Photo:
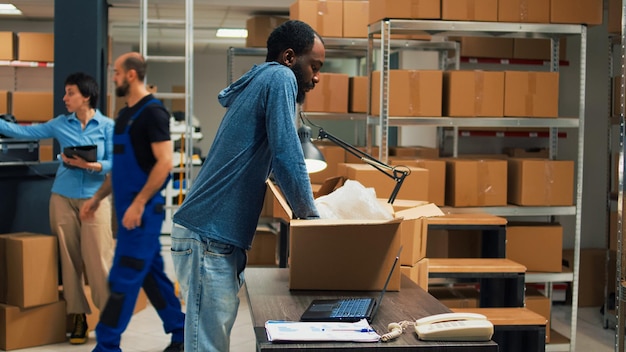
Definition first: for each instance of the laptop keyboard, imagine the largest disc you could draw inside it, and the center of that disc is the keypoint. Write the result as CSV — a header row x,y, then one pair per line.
x,y
351,307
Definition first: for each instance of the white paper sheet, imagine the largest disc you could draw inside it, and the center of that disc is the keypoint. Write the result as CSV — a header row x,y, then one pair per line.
x,y
359,331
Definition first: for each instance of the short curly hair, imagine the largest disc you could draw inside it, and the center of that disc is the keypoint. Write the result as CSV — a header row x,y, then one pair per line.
x,y
292,34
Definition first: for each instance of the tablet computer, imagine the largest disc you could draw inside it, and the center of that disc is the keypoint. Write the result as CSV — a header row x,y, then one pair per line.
x,y
87,152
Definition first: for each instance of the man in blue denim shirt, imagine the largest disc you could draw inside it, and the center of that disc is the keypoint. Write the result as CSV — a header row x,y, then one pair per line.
x,y
216,223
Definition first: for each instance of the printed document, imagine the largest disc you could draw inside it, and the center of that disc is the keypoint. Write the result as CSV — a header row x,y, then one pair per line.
x,y
360,331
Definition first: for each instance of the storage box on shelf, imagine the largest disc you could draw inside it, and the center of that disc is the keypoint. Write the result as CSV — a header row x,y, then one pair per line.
x,y
469,10
415,186
259,29
527,11
473,93
35,46
326,17
7,45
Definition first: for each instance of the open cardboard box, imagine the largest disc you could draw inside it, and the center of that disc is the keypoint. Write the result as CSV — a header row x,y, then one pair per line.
x,y
331,254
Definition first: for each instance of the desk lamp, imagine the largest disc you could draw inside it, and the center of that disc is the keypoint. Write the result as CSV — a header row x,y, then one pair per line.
x,y
395,173
313,158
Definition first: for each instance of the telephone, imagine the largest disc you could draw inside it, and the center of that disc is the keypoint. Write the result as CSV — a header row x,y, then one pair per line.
x,y
454,327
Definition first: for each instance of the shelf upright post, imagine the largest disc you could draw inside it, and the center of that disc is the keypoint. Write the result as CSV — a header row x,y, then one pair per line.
x,y
554,67
385,47
579,183
619,280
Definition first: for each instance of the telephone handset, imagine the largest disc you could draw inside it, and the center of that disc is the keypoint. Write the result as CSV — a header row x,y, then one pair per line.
x,y
454,327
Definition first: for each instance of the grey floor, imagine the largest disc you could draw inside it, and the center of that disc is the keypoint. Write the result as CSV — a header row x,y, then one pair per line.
x,y
145,332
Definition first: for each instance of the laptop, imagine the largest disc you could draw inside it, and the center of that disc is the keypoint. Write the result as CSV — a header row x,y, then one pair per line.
x,y
347,309
87,152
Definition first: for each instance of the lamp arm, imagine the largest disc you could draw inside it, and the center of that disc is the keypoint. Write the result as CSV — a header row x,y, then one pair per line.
x,y
397,175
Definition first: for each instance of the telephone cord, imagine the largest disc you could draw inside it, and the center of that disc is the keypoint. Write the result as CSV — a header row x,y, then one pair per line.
x,y
395,330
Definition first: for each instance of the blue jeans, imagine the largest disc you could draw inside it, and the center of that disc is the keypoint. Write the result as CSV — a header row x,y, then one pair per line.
x,y
210,275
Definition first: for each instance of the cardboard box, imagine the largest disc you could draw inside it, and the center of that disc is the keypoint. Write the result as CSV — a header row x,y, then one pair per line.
x,y
334,156
355,18
35,46
7,46
591,275
537,246
374,152
418,273
414,232
329,254
531,94
473,93
413,152
268,205
469,10
325,16
259,29
614,20
45,153
456,297
329,95
264,245
587,12
408,9
537,49
476,182
32,106
527,11
415,186
29,327
477,47
411,92
540,182
29,269
358,94
5,102
539,304
436,176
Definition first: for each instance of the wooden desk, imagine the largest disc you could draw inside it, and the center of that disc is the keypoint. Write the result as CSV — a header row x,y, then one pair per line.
x,y
269,298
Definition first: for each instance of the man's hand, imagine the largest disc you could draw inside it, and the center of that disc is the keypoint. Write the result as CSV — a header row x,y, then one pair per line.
x,y
132,217
89,208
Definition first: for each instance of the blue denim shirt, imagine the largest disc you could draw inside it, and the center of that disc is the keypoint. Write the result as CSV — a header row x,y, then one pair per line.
x,y
66,129
256,136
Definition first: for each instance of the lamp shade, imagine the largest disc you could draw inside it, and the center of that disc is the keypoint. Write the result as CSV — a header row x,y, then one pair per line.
x,y
313,158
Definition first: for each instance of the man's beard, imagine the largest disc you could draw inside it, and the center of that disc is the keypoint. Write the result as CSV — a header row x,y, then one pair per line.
x,y
122,90
302,86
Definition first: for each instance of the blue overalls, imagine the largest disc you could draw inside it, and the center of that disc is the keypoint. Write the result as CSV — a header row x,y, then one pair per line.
x,y
137,262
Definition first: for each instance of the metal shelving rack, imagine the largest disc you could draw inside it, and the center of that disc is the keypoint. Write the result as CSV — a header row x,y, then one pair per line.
x,y
613,122
620,269
386,27
186,164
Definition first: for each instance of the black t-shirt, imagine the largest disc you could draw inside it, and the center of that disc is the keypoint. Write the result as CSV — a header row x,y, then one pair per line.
x,y
152,125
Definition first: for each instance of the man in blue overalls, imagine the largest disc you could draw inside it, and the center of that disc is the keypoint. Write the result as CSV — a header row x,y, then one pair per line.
x,y
142,161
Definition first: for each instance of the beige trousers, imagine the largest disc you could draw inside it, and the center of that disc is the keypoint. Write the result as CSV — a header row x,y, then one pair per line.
x,y
85,247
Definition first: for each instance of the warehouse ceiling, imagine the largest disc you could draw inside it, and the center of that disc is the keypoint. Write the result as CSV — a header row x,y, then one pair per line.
x,y
209,15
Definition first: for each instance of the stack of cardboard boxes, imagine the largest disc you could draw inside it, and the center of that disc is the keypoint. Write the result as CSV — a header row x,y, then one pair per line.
x,y
31,313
